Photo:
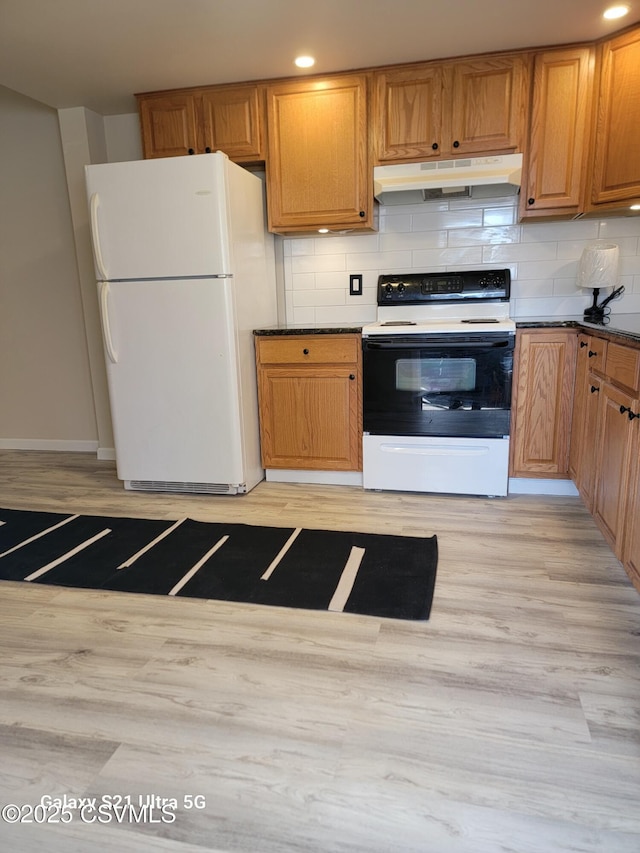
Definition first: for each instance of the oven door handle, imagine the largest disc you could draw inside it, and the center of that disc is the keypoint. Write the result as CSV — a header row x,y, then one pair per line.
x,y
449,343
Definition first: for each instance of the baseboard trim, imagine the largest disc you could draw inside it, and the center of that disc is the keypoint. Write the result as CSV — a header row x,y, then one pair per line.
x,y
534,486
48,444
326,478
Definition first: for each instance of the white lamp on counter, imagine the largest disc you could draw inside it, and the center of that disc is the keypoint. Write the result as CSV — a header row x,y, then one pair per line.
x,y
598,268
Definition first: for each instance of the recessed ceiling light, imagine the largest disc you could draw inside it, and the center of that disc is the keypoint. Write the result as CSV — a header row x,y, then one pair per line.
x,y
615,12
635,207
305,61
323,230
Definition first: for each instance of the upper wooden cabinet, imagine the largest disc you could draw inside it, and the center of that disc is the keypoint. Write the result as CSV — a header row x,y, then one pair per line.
x,y
196,121
616,163
319,170
559,131
439,110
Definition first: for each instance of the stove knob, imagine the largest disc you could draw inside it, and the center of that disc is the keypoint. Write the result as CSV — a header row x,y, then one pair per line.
x,y
388,288
401,288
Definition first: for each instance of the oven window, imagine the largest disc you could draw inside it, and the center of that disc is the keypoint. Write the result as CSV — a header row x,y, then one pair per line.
x,y
449,388
436,375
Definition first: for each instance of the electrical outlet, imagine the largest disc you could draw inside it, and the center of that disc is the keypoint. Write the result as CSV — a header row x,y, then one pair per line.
x,y
355,285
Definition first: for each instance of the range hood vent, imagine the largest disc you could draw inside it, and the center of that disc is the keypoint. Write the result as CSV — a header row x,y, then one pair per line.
x,y
475,177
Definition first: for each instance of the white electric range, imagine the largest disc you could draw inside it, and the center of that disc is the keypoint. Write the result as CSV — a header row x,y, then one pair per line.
x,y
437,373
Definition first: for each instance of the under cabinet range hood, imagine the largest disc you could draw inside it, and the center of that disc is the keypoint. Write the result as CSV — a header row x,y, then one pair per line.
x,y
471,177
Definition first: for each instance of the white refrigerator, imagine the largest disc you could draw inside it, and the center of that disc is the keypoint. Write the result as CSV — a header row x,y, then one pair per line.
x,y
185,272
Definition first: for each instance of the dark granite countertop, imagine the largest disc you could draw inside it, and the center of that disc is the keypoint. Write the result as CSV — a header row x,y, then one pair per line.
x,y
622,327
311,330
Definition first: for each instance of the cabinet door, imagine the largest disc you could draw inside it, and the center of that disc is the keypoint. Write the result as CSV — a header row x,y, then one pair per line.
x,y
169,124
231,122
318,159
616,168
579,408
584,439
631,545
488,104
309,418
559,132
541,416
614,460
408,113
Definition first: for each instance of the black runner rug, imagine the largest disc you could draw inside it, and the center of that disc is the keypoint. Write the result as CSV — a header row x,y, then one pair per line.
x,y
371,574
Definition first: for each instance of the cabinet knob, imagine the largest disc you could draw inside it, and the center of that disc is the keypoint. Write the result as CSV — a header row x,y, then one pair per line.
x,y
583,344
594,388
207,150
531,201
592,353
305,351
630,412
191,151
352,376
362,214
456,144
435,146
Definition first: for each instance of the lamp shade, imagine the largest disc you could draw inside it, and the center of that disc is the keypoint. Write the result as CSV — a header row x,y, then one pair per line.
x,y
598,265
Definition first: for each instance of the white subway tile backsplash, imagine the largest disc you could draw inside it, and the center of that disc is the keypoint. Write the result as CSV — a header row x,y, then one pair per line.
x,y
447,235
414,240
484,236
446,219
499,215
532,289
454,257
620,226
313,299
347,314
303,281
540,232
336,244
318,263
559,268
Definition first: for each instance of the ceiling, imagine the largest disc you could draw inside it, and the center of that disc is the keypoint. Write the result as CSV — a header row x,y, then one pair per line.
x,y
98,53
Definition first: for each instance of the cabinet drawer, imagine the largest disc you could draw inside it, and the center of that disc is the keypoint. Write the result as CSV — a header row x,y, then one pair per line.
x,y
316,349
597,351
622,366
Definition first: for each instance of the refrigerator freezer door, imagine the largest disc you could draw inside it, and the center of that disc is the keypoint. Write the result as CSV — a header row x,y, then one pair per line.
x,y
172,370
160,218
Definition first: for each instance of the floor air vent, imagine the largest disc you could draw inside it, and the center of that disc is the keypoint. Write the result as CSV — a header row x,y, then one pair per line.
x,y
185,488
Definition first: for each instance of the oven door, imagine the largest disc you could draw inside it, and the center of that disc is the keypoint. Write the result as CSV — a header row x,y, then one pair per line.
x,y
438,385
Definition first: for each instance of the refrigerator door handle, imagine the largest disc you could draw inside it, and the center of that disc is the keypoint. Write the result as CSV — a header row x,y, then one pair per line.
x,y
104,316
95,237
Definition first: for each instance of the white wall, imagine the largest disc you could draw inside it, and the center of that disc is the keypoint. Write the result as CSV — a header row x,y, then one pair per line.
x,y
45,385
447,235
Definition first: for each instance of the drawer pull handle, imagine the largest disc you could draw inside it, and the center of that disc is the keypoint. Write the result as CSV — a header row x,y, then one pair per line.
x,y
592,353
305,352
594,388
631,413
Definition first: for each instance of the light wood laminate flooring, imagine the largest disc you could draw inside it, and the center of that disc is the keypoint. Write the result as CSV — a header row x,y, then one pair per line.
x,y
508,722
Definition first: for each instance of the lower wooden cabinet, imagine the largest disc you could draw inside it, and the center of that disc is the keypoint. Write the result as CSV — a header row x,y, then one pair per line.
x,y
605,443
613,463
541,412
586,409
310,398
631,538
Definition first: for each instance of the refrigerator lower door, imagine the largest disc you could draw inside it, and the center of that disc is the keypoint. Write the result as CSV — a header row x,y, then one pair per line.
x,y
172,370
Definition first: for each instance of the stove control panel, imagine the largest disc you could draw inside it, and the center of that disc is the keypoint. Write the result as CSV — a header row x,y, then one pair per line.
x,y
423,288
